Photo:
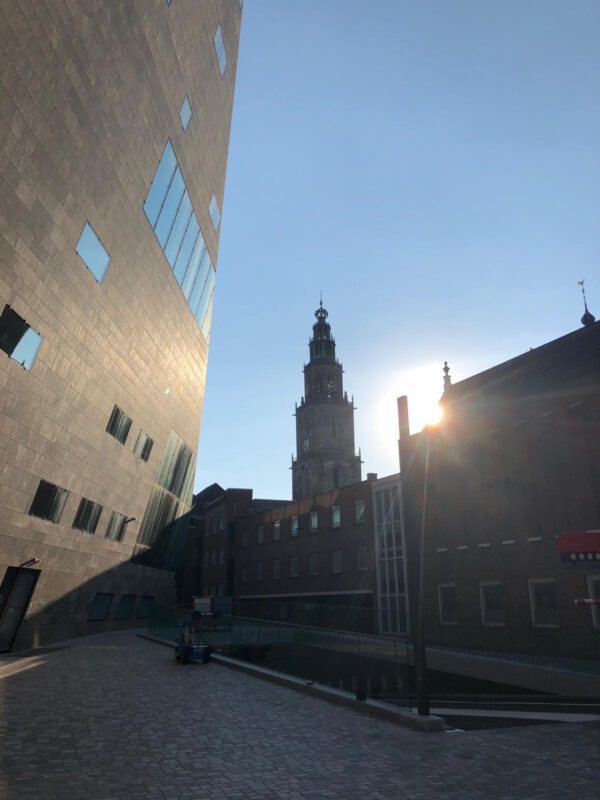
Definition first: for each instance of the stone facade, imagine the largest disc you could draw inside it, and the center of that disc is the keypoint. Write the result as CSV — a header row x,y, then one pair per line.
x,y
92,94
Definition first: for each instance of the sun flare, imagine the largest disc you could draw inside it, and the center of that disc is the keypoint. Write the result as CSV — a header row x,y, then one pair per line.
x,y
423,386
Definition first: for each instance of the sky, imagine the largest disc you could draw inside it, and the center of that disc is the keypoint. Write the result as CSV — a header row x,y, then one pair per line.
x,y
433,168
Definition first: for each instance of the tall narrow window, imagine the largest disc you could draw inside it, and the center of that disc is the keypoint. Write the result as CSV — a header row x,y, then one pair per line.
x,y
49,501
336,561
314,521
594,594
214,211
125,606
185,113
360,513
362,562
260,534
118,425
276,568
336,517
100,606
314,564
87,516
294,566
447,604
220,51
544,608
294,530
143,446
17,338
116,527
92,252
259,570
492,603
277,530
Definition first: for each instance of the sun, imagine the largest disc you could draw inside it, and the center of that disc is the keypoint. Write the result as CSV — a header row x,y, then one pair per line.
x,y
423,387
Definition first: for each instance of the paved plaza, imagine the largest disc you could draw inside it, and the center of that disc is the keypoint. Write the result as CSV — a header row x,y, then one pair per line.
x,y
113,717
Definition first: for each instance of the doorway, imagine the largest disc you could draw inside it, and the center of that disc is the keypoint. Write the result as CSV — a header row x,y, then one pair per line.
x,y
16,591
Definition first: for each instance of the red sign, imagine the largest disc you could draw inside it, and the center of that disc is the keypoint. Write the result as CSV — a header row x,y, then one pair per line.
x,y
579,547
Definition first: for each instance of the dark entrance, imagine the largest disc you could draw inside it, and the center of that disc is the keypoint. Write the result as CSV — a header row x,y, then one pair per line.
x,y
15,593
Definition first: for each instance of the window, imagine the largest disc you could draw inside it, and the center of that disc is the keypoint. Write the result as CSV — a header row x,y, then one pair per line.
x,y
244,573
100,607
336,517
362,564
220,51
542,598
176,471
336,561
213,558
447,604
207,558
170,213
314,564
294,529
143,446
87,516
222,555
260,534
276,568
294,566
91,251
17,338
245,539
276,530
145,606
116,527
49,501
185,113
222,522
314,521
492,603
259,570
360,513
214,211
594,593
125,606
119,425
306,445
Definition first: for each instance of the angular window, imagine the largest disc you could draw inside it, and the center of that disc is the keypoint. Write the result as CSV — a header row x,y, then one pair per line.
x,y
87,516
542,598
362,563
259,570
91,251
176,469
336,517
49,501
214,211
360,513
220,51
100,607
294,566
492,603
276,530
185,113
145,606
314,564
119,425
447,604
244,573
17,338
116,527
314,521
276,568
336,561
260,534
170,213
143,446
125,607
294,529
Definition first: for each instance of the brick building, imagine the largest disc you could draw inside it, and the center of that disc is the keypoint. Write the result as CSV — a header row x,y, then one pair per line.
x,y
513,463
114,130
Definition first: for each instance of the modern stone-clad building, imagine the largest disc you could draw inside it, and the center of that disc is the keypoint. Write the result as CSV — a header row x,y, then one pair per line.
x,y
114,130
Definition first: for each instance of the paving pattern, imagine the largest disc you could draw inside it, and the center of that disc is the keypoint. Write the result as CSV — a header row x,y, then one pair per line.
x,y
115,718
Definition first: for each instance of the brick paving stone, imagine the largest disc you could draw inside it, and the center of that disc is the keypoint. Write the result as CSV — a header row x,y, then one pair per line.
x,y
115,718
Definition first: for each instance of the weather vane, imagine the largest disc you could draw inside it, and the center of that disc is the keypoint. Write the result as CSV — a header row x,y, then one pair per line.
x,y
588,318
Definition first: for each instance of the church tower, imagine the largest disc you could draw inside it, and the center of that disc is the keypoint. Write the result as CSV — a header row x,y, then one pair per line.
x,y
324,421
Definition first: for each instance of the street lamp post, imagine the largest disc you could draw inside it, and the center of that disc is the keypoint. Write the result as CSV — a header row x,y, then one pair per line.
x,y
421,689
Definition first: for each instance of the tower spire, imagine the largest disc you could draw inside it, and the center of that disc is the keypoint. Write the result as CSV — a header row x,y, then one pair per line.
x,y
588,318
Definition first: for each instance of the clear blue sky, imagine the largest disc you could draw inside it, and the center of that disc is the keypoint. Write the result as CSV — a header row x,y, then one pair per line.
x,y
434,168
